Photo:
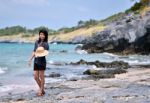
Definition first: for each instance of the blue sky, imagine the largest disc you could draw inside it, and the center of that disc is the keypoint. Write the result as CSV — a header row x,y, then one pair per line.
x,y
57,13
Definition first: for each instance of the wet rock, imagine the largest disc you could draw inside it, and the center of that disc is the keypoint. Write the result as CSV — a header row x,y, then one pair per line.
x,y
114,64
20,99
48,68
81,62
73,79
63,51
79,47
107,73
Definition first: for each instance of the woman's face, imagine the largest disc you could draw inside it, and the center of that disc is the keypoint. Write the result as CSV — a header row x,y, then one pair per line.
x,y
42,36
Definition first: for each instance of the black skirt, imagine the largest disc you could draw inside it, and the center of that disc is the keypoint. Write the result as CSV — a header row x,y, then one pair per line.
x,y
39,67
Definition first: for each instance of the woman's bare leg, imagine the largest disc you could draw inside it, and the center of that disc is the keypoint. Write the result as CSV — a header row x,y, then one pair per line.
x,y
42,77
37,79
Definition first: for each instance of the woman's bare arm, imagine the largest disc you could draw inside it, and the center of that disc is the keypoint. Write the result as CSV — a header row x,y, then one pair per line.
x,y
30,60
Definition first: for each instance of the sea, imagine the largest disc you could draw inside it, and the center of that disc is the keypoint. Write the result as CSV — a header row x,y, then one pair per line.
x,y
16,75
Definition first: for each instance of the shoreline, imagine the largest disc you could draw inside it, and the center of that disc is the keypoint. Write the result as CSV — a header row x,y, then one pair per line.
x,y
31,42
127,87
63,42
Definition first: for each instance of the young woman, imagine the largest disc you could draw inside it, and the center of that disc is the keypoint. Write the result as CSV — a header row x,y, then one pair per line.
x,y
40,51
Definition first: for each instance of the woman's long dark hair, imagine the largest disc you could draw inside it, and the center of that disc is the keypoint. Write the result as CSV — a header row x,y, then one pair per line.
x,y
45,33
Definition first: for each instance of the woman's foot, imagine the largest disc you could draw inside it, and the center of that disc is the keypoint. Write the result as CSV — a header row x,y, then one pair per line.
x,y
40,93
43,92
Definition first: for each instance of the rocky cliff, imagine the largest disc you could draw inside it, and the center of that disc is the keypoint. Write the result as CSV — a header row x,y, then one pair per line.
x,y
128,34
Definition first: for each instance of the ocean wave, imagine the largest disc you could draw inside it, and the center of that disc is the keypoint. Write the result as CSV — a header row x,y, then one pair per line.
x,y
56,62
6,88
71,76
63,78
79,44
135,62
110,54
81,51
50,62
3,70
53,80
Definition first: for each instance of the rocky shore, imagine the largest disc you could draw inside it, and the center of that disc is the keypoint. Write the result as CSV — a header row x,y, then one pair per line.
x,y
103,70
115,82
127,35
129,87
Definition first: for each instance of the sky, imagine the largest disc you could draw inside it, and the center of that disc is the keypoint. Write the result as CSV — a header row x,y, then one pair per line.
x,y
55,14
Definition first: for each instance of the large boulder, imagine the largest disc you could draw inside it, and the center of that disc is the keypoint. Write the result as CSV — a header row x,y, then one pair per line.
x,y
107,73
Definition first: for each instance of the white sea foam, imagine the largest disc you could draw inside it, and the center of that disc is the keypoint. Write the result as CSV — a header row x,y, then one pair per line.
x,y
110,54
71,76
63,78
68,76
53,80
54,43
3,70
79,44
81,51
51,62
135,62
56,62
6,88
94,67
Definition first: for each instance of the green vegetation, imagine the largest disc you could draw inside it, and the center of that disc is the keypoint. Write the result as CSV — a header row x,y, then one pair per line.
x,y
136,7
65,30
112,18
145,2
81,24
14,30
87,24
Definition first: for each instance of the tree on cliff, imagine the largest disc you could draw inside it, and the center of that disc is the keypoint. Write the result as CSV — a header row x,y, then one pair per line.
x,y
144,2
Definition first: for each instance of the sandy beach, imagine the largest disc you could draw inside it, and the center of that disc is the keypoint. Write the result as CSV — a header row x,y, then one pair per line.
x,y
133,86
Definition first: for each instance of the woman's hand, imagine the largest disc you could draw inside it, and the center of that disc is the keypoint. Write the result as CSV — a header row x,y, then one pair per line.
x,y
30,62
